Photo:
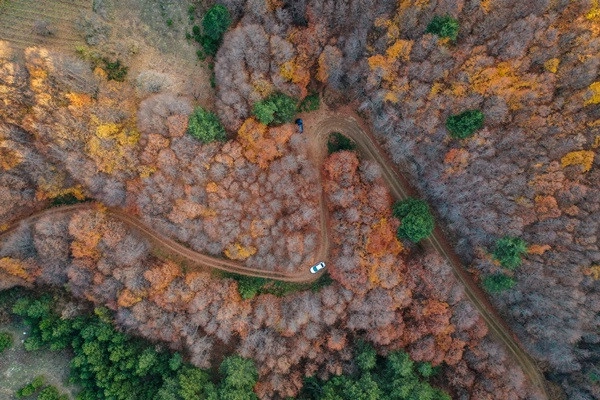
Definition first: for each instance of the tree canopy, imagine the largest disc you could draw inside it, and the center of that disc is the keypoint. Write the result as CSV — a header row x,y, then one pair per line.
x,y
443,26
416,220
509,250
108,364
205,126
276,109
464,124
215,23
498,283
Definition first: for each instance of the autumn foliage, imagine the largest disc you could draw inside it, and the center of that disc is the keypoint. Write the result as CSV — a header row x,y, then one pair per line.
x,y
531,68
530,172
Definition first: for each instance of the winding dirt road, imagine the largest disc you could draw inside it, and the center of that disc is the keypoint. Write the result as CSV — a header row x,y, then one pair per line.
x,y
318,132
167,246
400,188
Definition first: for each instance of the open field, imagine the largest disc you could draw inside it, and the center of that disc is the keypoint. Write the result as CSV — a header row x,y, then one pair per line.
x,y
47,23
148,36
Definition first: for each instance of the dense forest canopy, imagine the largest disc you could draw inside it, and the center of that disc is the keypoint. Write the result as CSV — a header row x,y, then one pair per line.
x,y
490,108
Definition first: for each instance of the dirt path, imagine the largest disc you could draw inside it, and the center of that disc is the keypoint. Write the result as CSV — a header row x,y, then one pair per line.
x,y
167,246
400,188
318,129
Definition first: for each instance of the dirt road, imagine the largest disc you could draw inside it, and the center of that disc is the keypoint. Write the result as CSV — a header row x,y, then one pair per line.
x,y
318,132
400,188
167,246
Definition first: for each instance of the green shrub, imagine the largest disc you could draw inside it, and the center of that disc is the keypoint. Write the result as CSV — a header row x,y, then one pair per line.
x,y
31,387
51,393
6,341
311,102
509,250
464,124
416,221
339,142
443,26
205,126
67,199
197,33
276,109
249,286
192,12
497,283
115,71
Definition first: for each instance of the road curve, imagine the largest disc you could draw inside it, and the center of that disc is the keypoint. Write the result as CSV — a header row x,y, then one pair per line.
x,y
399,188
168,246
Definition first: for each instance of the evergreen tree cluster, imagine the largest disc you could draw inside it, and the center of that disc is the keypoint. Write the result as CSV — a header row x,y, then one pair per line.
x,y
416,220
395,377
109,364
276,109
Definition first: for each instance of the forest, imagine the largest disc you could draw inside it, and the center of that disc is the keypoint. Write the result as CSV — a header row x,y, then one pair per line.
x,y
489,108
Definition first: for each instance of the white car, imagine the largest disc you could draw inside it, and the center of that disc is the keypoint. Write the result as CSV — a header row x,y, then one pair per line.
x,y
316,268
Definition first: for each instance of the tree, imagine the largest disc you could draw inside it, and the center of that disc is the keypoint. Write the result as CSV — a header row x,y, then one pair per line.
x,y
339,142
508,251
276,109
205,126
365,356
443,26
238,372
115,71
6,341
194,384
215,23
464,124
497,283
416,220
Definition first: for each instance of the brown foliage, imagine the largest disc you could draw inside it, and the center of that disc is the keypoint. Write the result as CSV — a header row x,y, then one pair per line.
x,y
260,144
382,239
161,276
